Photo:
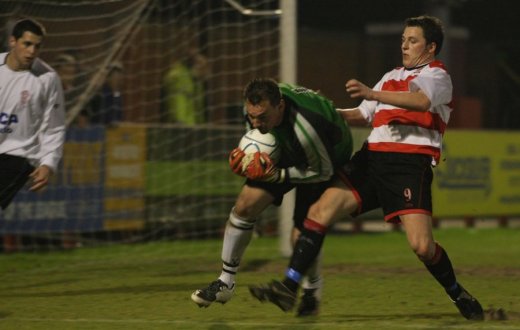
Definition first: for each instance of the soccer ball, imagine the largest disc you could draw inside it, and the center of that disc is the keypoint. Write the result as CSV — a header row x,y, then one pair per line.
x,y
254,141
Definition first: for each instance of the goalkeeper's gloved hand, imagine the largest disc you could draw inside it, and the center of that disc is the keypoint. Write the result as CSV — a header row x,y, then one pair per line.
x,y
261,168
235,161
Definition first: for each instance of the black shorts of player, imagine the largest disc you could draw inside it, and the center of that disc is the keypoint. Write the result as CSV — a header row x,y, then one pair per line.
x,y
306,195
14,173
400,183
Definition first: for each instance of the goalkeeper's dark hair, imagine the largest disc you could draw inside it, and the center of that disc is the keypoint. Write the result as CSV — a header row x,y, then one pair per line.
x,y
260,89
432,29
27,25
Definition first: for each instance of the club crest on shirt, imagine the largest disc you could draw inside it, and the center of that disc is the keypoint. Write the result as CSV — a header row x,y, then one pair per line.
x,y
24,97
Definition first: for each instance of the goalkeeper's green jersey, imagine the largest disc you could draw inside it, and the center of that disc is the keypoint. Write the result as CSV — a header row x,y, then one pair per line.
x,y
314,138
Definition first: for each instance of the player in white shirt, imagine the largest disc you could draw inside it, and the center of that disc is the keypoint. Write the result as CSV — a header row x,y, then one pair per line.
x,y
408,110
32,116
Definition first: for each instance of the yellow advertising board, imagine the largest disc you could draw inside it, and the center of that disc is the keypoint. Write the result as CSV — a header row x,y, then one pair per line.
x,y
125,157
479,175
125,166
81,163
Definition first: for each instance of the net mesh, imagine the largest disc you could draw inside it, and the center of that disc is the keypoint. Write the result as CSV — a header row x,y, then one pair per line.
x,y
153,98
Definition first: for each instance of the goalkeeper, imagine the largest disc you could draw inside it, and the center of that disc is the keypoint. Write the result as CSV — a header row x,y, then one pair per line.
x,y
315,142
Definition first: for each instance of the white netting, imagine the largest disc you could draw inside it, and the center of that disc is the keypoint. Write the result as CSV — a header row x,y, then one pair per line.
x,y
148,158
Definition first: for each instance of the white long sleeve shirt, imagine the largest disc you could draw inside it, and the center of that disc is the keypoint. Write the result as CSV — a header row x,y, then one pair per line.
x,y
32,114
420,132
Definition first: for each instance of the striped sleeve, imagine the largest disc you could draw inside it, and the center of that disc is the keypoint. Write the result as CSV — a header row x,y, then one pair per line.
x,y
319,165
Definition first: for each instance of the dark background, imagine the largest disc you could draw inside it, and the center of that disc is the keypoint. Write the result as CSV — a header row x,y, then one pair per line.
x,y
334,45
481,51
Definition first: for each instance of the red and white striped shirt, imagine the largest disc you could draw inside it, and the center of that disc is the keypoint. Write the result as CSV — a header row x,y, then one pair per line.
x,y
420,132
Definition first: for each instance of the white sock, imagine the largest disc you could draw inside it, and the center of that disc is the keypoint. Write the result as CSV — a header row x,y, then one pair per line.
x,y
237,236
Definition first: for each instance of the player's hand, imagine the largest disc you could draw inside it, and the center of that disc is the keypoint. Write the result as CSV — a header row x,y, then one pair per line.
x,y
235,161
40,177
357,89
261,168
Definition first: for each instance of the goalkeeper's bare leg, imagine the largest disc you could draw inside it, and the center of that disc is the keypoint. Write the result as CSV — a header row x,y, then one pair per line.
x,y
238,233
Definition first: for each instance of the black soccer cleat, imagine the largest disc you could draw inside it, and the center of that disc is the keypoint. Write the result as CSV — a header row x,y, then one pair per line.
x,y
217,291
309,304
275,292
468,306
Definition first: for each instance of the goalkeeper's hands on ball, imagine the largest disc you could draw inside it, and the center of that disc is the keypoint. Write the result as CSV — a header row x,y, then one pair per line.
x,y
260,167
255,166
235,161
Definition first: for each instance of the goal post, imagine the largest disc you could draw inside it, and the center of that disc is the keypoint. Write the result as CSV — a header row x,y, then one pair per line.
x,y
288,74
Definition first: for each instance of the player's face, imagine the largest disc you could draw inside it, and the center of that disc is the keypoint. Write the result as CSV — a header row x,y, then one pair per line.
x,y
24,50
67,73
264,116
414,49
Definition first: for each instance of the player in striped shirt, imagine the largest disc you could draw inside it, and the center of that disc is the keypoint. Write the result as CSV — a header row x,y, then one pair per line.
x,y
408,109
32,116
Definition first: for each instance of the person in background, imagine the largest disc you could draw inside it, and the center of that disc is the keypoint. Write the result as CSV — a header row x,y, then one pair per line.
x,y
67,68
106,107
82,120
409,109
184,89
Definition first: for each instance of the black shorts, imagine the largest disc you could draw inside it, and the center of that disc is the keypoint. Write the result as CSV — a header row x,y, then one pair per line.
x,y
400,183
306,195
14,173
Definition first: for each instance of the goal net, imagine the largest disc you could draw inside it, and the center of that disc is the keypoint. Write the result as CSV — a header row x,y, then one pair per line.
x,y
153,97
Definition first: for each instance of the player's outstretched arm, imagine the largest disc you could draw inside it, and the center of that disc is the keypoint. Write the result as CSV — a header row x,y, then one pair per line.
x,y
353,117
417,100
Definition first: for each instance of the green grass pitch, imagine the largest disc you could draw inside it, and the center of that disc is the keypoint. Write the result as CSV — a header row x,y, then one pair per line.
x,y
372,281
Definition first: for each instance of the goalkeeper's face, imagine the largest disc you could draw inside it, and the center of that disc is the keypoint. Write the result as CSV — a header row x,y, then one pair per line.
x,y
264,116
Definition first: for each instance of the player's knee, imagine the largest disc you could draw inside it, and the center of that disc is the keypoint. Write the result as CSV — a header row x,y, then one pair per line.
x,y
238,221
423,249
243,209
